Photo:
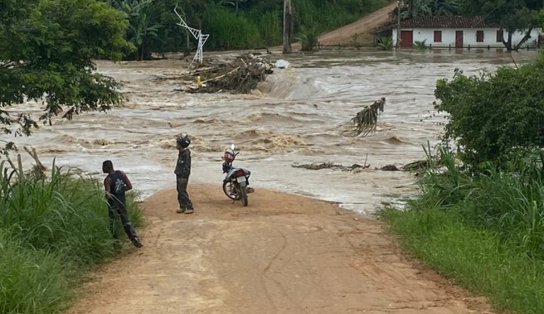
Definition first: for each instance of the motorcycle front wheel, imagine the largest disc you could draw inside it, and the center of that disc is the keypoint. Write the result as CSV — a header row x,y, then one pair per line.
x,y
243,195
231,190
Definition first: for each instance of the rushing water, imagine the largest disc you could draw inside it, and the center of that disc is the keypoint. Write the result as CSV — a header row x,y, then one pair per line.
x,y
299,116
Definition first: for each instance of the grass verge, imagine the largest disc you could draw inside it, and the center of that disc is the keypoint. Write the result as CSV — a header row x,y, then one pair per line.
x,y
51,232
473,258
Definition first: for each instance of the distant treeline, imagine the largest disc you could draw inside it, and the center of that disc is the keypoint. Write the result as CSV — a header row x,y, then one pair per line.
x,y
232,24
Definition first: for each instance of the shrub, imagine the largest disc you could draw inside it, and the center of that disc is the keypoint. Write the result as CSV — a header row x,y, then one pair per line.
x,y
421,45
308,38
494,117
385,43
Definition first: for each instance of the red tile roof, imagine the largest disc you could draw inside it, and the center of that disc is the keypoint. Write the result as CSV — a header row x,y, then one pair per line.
x,y
446,22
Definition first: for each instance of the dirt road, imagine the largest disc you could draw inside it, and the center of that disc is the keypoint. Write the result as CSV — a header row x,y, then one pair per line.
x,y
282,254
362,30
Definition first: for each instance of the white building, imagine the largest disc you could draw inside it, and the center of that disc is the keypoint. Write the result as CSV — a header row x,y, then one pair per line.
x,y
458,32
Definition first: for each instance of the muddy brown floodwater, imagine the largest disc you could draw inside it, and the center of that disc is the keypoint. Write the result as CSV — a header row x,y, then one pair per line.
x,y
299,117
285,253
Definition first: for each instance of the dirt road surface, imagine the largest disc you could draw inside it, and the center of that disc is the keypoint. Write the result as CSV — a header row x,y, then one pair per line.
x,y
281,254
362,30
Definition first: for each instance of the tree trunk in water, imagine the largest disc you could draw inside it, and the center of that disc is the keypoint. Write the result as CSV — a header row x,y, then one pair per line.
x,y
508,42
524,39
509,47
288,22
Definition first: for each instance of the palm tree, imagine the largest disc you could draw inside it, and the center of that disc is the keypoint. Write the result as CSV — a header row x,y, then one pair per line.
x,y
142,31
141,27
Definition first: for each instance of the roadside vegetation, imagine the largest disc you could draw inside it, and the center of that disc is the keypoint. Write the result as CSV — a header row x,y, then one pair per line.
x,y
51,232
237,24
480,218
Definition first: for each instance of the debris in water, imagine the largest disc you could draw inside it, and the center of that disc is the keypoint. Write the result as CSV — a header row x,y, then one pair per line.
x,y
240,75
366,120
328,165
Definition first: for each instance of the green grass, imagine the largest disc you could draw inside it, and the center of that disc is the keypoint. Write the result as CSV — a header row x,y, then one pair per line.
x,y
475,259
51,232
31,281
485,231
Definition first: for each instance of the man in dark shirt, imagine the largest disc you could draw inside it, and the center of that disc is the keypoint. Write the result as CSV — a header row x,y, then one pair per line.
x,y
182,171
115,184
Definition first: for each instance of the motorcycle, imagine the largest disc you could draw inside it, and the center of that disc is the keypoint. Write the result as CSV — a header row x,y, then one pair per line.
x,y
236,182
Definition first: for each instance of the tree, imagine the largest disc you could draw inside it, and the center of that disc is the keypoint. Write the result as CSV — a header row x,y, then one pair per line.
x,y
511,15
46,52
493,118
234,3
142,27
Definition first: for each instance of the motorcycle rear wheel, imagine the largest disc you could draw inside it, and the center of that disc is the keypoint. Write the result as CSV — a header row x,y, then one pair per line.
x,y
231,190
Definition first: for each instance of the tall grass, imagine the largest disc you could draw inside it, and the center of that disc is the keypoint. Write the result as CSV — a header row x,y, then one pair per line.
x,y
31,281
258,24
472,257
229,30
271,28
485,230
51,231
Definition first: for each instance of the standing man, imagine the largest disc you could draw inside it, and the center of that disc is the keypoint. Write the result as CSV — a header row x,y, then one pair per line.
x,y
115,184
183,170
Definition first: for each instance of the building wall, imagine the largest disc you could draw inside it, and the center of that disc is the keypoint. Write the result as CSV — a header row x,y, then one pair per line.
x,y
469,37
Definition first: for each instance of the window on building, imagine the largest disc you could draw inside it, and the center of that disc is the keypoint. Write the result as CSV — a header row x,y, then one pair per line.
x,y
437,36
479,36
499,36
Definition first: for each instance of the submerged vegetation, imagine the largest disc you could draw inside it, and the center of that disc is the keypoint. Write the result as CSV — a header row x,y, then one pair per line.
x,y
480,219
385,43
51,232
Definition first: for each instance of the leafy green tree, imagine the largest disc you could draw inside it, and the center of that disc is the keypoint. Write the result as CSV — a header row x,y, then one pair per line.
x,y
511,15
234,3
142,26
494,117
46,52
415,8
255,22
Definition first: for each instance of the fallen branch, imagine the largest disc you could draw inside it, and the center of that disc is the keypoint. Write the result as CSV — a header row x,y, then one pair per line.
x,y
366,120
37,172
328,165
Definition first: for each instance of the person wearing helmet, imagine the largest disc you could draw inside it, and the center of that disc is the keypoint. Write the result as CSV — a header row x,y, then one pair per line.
x,y
182,171
228,158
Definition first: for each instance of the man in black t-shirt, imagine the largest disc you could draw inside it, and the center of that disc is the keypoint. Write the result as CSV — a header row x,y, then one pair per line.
x,y
115,184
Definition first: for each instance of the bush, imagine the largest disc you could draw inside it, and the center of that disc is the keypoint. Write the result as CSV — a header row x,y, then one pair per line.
x,y
481,221
308,38
421,45
385,43
494,117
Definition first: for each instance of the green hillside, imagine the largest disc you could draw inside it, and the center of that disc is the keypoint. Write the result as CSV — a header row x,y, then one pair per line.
x,y
233,24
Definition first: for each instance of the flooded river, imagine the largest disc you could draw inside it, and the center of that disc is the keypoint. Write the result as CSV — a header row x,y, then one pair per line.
x,y
298,117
